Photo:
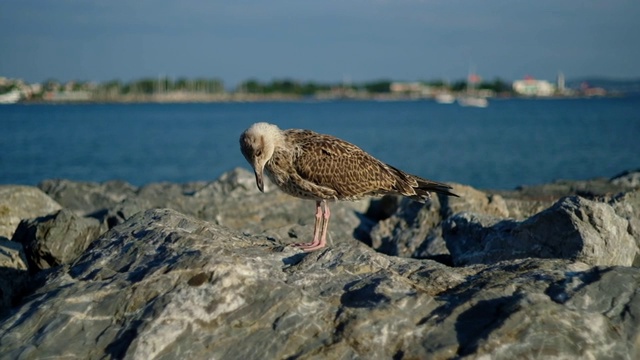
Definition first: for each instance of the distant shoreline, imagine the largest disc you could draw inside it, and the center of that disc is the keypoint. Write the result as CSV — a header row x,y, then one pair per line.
x,y
253,98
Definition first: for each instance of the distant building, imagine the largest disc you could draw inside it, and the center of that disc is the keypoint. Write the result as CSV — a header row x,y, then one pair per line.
x,y
588,90
532,87
412,88
74,96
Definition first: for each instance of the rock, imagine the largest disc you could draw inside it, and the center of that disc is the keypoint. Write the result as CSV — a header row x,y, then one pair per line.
x,y
179,197
574,228
234,201
56,239
22,202
384,207
413,230
409,231
537,309
87,197
591,189
627,179
163,285
560,188
527,201
390,225
13,274
14,284
627,206
121,212
473,200
237,183
12,255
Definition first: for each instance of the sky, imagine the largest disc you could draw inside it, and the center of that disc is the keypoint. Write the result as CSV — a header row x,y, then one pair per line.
x,y
322,40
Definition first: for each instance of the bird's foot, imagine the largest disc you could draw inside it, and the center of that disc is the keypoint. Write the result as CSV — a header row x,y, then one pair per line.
x,y
308,247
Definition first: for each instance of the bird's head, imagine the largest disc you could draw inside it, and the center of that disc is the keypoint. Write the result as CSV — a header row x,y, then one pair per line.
x,y
257,144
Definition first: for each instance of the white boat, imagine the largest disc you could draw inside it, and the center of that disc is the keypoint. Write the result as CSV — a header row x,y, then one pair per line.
x,y
471,98
473,101
445,98
11,97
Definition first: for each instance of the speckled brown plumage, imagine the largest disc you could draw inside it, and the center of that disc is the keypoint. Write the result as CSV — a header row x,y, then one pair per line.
x,y
321,167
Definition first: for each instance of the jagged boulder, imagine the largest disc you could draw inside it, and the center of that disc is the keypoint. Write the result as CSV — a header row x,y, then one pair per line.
x,y
22,202
87,197
56,239
574,228
413,229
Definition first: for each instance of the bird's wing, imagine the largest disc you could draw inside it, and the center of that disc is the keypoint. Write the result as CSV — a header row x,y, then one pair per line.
x,y
330,162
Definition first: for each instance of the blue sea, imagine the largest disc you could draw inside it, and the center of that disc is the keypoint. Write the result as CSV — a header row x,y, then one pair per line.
x,y
512,142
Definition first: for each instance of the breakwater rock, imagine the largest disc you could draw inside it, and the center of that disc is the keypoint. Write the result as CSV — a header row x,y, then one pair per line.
x,y
201,271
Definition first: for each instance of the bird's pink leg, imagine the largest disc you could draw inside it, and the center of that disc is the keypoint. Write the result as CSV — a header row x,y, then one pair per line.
x,y
316,230
319,241
325,225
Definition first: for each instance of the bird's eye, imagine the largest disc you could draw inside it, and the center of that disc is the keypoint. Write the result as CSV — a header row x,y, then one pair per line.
x,y
259,153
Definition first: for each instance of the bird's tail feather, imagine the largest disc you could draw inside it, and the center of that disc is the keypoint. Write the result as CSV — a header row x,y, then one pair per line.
x,y
418,188
433,186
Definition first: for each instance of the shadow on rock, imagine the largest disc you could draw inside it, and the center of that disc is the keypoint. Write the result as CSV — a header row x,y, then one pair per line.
x,y
565,289
359,294
477,323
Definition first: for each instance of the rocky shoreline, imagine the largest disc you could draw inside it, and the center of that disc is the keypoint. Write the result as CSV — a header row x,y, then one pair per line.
x,y
202,271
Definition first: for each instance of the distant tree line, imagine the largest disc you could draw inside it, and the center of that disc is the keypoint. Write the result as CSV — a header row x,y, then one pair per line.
x,y
254,86
288,86
285,86
161,85
497,85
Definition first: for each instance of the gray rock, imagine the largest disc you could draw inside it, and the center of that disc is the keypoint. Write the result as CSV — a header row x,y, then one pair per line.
x,y
409,232
384,207
527,201
591,188
179,197
627,179
121,212
13,274
22,202
212,279
537,309
574,228
413,229
87,197
164,285
473,200
233,201
12,255
14,284
56,239
627,206
390,225
521,208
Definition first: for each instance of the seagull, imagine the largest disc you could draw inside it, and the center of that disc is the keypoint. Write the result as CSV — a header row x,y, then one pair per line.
x,y
309,165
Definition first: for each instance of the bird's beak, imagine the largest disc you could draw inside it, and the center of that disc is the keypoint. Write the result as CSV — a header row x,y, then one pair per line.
x,y
259,180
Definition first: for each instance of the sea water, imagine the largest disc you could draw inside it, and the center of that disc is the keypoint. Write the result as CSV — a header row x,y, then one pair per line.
x,y
512,142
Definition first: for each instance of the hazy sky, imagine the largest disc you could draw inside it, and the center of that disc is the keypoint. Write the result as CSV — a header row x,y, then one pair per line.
x,y
322,40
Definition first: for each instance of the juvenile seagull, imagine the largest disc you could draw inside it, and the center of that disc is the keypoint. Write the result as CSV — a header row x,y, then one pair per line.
x,y
320,167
